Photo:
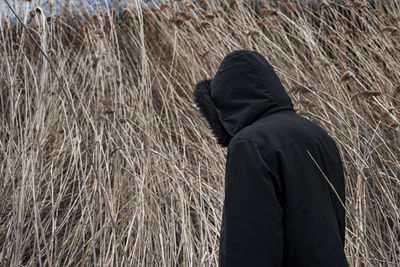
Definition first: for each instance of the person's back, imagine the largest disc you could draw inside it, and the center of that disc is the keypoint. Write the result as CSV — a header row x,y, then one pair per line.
x,y
279,208
301,154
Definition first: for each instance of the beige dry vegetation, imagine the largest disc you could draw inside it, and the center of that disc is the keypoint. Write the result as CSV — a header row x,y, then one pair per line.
x,y
142,184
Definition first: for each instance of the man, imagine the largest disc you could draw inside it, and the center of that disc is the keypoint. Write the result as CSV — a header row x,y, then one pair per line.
x,y
280,208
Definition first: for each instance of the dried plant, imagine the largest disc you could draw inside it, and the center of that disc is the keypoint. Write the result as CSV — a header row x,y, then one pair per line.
x,y
148,188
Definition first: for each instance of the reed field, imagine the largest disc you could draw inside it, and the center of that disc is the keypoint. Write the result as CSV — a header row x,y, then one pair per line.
x,y
105,160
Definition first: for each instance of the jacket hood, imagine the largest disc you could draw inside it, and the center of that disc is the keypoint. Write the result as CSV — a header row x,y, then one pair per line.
x,y
244,88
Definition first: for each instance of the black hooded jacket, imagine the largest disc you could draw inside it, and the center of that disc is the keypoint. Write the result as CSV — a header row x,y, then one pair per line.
x,y
279,207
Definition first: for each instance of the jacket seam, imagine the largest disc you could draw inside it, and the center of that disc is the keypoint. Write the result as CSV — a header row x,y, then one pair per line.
x,y
272,98
257,147
284,146
264,158
248,141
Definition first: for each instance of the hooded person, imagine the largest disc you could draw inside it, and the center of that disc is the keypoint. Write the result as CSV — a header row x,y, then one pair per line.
x,y
282,170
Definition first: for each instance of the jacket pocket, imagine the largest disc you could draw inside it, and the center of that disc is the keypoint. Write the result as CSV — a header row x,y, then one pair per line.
x,y
326,252
310,245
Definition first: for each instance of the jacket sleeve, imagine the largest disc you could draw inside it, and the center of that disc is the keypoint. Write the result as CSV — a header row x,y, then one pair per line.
x,y
251,232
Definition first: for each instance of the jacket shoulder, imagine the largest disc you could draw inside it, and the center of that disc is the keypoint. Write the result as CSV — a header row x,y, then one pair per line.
x,y
279,130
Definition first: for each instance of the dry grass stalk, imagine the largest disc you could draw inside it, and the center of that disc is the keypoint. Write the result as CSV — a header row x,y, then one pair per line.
x,y
130,80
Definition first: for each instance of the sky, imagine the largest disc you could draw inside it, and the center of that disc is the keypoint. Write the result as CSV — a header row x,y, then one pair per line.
x,y
22,7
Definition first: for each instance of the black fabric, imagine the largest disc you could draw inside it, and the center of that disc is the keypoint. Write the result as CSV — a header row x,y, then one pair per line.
x,y
279,207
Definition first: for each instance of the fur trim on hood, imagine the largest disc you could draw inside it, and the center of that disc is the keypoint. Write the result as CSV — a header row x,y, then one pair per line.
x,y
206,105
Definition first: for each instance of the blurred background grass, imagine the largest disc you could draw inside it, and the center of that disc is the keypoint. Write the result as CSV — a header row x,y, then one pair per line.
x,y
142,183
